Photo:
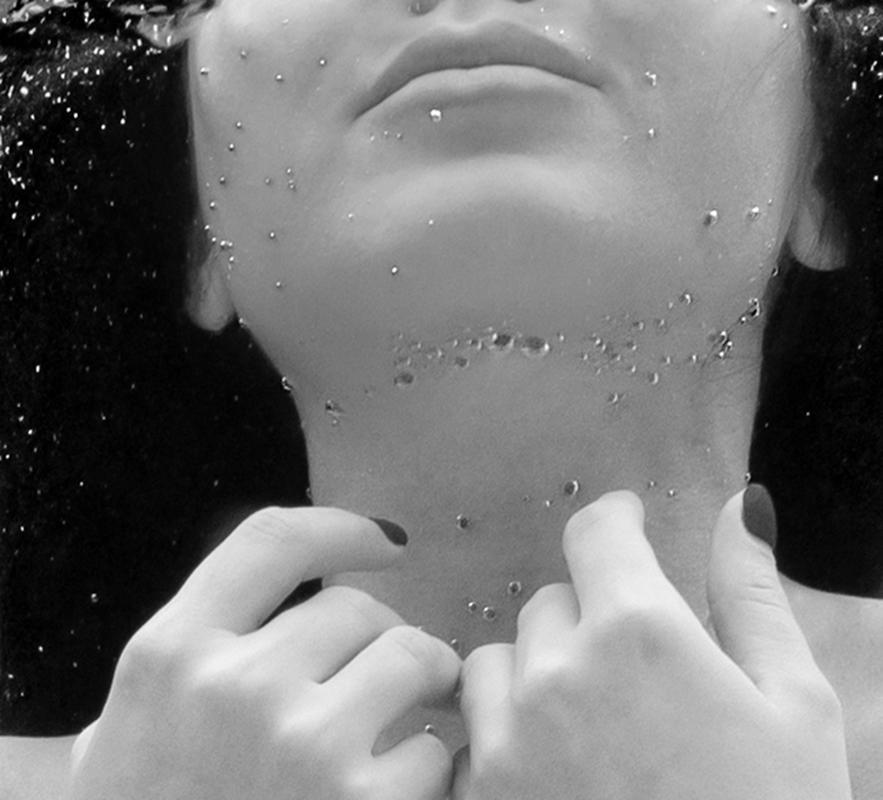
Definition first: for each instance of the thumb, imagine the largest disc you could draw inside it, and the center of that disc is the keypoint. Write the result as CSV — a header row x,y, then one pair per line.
x,y
749,609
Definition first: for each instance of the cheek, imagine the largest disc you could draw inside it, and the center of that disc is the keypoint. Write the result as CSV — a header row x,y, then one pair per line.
x,y
728,109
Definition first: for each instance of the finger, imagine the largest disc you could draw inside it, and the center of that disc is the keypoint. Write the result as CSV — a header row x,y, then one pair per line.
x,y
245,578
400,670
484,697
462,766
608,555
546,623
749,608
317,638
418,768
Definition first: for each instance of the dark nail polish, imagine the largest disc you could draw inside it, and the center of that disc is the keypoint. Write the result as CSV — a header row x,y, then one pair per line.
x,y
393,532
759,514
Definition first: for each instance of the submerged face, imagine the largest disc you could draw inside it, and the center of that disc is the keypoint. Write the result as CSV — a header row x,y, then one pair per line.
x,y
373,169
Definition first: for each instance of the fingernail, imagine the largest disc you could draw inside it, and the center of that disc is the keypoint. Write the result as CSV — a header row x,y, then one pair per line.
x,y
759,513
393,532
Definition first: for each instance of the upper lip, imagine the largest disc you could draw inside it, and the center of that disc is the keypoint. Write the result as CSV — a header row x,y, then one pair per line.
x,y
494,43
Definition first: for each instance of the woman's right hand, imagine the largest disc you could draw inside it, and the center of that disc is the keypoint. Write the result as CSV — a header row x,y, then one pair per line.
x,y
206,704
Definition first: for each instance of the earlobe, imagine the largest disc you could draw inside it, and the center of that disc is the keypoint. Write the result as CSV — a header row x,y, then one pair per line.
x,y
209,303
164,30
815,238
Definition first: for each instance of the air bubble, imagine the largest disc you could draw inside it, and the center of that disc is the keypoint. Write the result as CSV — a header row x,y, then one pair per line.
x,y
753,214
243,54
435,114
471,606
393,270
334,411
429,728
613,398
322,62
461,361
403,378
651,78
534,346
571,488
653,378
501,341
462,522
271,235
286,385
514,588
489,613
671,494
686,298
279,77
279,285
712,216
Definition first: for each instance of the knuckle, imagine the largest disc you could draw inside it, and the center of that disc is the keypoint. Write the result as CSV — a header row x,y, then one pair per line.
x,y
546,684
814,694
269,525
606,508
307,734
155,655
359,606
416,650
638,627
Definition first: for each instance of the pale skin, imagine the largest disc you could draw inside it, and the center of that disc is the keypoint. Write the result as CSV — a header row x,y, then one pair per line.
x,y
552,214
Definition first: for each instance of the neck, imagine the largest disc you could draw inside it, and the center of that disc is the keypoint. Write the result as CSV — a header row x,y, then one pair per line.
x,y
483,462
484,455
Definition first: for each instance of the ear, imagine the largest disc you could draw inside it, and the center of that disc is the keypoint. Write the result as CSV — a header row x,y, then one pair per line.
x,y
164,30
815,237
209,302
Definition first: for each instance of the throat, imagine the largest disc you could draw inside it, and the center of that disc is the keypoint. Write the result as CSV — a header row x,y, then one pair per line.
x,y
484,465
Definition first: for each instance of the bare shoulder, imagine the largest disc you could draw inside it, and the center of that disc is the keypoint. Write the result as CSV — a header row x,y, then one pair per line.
x,y
846,637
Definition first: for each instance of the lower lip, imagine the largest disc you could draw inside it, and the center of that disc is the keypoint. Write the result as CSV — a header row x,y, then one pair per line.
x,y
449,88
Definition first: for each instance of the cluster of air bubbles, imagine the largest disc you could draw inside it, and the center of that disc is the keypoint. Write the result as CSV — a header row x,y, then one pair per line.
x,y
711,217
334,411
752,312
722,344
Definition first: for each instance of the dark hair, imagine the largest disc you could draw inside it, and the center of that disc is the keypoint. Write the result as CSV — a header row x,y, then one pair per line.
x,y
128,438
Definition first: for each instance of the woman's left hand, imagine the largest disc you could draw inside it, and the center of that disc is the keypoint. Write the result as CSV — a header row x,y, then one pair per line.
x,y
614,690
